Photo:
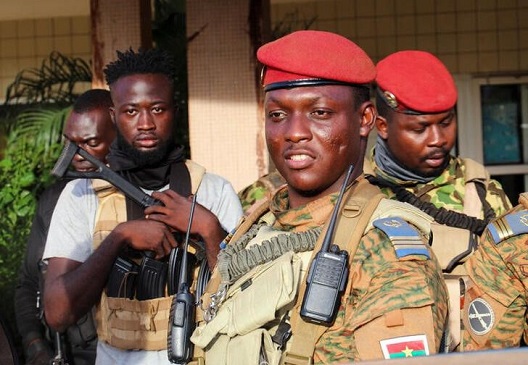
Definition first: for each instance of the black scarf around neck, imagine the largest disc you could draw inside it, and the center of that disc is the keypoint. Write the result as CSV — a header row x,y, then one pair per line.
x,y
152,177
390,166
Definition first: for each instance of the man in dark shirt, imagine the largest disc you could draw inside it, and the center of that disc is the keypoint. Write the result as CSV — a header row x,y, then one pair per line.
x,y
90,126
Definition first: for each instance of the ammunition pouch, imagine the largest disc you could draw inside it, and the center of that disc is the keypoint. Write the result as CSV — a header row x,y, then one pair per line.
x,y
235,333
255,347
134,311
132,324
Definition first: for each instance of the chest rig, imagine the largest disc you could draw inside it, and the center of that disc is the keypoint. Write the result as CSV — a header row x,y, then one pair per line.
x,y
134,310
235,336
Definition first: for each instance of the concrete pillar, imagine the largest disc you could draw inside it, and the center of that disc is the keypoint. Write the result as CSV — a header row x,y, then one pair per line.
x,y
225,115
117,25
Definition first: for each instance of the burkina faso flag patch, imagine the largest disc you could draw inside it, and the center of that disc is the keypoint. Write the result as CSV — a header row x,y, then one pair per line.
x,y
406,346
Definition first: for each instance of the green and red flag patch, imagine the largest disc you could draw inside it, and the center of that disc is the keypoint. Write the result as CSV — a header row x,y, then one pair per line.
x,y
407,346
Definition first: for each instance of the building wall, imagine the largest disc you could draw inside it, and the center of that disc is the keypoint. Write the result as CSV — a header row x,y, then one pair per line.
x,y
25,43
473,37
469,36
225,125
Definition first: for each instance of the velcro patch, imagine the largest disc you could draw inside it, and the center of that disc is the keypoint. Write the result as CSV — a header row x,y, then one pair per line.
x,y
404,237
508,226
480,316
406,346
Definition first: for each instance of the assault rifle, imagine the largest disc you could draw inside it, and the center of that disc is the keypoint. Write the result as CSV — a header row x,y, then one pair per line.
x,y
150,277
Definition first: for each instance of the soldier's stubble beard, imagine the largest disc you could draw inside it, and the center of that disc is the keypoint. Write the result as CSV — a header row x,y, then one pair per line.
x,y
145,158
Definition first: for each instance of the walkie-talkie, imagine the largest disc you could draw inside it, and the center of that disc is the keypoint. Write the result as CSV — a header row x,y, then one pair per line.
x,y
181,319
327,277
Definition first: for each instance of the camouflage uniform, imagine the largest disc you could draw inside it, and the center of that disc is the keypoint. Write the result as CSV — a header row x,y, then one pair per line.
x,y
447,190
262,189
495,311
453,245
383,286
382,283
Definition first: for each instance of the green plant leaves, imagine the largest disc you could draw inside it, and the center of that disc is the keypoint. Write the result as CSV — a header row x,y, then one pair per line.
x,y
37,104
55,81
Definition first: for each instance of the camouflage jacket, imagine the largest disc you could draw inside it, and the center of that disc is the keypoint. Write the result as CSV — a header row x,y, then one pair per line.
x,y
260,190
495,312
448,189
388,292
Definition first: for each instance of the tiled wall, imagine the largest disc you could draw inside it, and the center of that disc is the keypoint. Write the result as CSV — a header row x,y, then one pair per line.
x,y
26,43
470,36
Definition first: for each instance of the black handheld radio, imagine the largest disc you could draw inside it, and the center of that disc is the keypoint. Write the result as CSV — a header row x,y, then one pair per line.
x,y
181,319
327,277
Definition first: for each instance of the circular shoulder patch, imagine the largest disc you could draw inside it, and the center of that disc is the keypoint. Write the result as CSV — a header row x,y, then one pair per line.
x,y
481,316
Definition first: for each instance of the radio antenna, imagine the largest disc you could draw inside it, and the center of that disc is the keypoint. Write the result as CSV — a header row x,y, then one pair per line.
x,y
331,225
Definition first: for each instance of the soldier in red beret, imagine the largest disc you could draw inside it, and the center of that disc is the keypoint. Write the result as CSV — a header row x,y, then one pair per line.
x,y
327,270
412,161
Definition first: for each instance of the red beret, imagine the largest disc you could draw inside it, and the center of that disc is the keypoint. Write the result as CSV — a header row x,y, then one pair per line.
x,y
416,82
310,57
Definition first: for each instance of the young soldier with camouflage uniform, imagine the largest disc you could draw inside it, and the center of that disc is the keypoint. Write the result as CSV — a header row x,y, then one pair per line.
x,y
496,299
411,161
258,307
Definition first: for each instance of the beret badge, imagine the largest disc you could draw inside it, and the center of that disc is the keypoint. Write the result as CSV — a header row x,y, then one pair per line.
x,y
391,99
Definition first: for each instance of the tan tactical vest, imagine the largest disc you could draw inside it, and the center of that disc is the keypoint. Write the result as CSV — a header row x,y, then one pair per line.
x,y
240,335
124,323
453,246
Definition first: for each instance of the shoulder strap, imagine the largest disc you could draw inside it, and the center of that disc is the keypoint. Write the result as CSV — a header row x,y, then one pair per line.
x,y
196,173
180,178
523,199
472,199
477,181
476,171
361,202
509,225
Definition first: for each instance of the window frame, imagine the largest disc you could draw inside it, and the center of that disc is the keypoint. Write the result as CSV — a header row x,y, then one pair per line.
x,y
469,117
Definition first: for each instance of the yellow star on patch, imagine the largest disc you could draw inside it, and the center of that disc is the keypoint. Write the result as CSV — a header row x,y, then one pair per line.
x,y
408,352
